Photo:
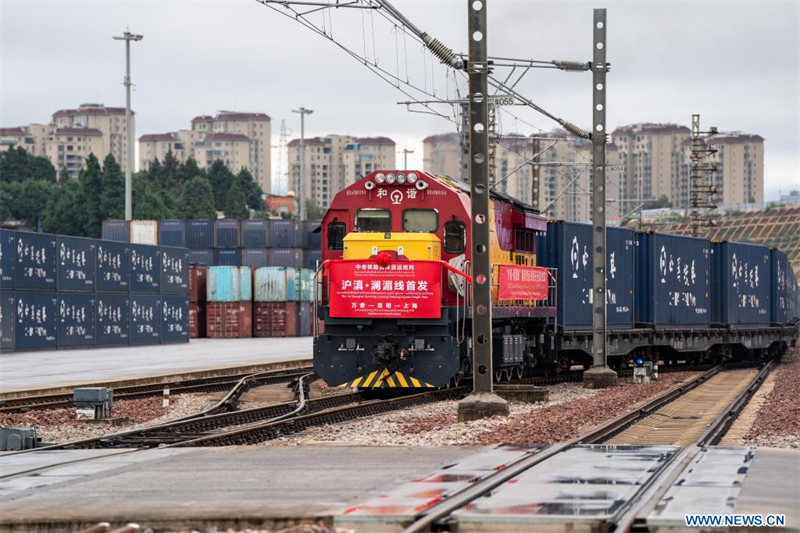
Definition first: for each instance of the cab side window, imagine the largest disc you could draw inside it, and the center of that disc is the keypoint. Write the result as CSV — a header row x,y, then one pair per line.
x,y
455,237
336,233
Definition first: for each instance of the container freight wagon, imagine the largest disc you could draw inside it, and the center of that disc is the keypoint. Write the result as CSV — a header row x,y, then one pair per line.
x,y
740,284
672,282
567,247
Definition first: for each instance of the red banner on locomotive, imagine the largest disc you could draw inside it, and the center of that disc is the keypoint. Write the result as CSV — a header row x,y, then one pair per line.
x,y
517,282
402,289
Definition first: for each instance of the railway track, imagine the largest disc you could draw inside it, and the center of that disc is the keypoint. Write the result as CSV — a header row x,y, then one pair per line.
x,y
721,404
205,385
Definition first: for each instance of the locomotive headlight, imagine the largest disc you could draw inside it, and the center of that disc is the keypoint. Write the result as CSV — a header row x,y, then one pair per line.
x,y
412,177
380,177
401,179
390,178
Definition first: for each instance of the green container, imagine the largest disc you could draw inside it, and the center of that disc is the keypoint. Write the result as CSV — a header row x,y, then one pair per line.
x,y
306,285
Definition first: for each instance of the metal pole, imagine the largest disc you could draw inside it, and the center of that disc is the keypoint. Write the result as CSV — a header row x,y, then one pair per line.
x,y
599,376
405,153
302,204
128,37
482,402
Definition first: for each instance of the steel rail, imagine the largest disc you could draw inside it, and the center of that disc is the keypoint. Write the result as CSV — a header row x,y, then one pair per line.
x,y
653,491
440,511
211,384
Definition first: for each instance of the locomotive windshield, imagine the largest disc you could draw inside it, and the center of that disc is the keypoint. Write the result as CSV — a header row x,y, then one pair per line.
x,y
420,220
374,220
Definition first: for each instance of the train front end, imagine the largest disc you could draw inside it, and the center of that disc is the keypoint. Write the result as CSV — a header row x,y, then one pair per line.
x,y
386,285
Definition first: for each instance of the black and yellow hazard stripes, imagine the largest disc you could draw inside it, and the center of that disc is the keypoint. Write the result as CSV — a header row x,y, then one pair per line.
x,y
383,378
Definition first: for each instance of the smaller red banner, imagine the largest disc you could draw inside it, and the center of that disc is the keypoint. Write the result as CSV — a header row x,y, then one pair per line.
x,y
401,289
517,282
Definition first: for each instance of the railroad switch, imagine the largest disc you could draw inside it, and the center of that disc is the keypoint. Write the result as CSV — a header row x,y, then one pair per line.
x,y
93,403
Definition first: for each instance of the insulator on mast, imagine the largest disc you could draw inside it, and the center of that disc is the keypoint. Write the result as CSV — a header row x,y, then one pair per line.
x,y
445,55
572,66
573,129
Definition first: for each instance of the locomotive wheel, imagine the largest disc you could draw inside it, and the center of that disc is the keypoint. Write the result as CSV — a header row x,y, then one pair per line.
x,y
519,372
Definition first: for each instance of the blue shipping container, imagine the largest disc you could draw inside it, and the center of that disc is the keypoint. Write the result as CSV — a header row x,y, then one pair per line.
x,y
201,257
76,263
7,248
116,230
145,319
286,257
229,284
227,257
113,266
7,322
76,319
35,317
312,258
226,233
113,319
174,270
281,233
740,283
672,282
255,257
781,287
174,319
145,268
172,233
567,246
35,261
254,233
314,237
200,233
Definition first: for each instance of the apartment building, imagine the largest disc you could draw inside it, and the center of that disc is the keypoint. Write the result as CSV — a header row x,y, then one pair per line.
x,y
657,158
652,155
564,179
72,135
740,169
241,140
335,161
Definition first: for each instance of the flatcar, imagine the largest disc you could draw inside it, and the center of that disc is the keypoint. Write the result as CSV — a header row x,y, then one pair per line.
x,y
393,290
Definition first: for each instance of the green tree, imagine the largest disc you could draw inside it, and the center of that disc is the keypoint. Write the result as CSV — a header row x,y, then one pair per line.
x,y
235,204
30,202
148,200
91,180
198,199
63,214
6,199
221,179
112,190
313,211
17,165
251,189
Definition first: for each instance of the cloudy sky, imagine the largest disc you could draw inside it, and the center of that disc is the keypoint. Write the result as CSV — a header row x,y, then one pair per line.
x,y
736,63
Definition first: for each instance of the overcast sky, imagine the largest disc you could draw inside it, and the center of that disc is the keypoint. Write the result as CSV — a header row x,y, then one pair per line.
x,y
738,64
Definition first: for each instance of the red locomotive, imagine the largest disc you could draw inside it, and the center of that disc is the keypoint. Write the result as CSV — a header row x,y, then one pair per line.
x,y
393,307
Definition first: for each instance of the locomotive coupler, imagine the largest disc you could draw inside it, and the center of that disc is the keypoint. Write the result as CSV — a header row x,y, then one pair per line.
x,y
383,352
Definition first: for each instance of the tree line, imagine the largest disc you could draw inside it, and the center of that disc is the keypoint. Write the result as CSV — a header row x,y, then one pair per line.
x,y
30,192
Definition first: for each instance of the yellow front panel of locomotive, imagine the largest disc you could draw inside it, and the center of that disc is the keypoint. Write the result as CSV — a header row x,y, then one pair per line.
x,y
415,246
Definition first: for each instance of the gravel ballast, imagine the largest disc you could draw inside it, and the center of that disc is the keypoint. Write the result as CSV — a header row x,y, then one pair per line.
x,y
60,425
570,411
777,424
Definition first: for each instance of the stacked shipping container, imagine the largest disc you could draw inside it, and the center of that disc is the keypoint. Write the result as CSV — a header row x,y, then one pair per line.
x,y
227,242
229,310
60,291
